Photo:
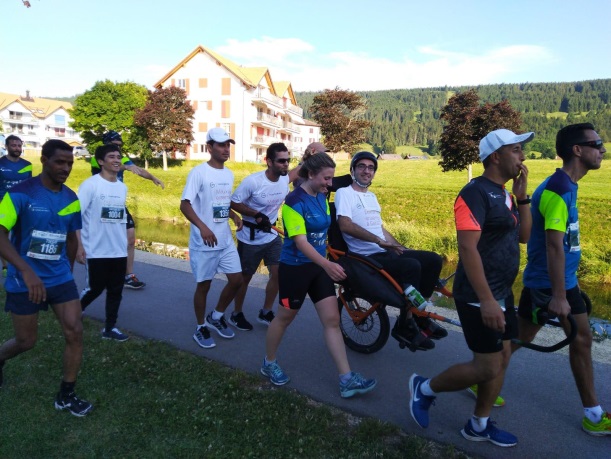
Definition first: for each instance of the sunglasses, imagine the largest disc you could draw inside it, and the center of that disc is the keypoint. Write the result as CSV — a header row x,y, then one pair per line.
x,y
598,144
282,160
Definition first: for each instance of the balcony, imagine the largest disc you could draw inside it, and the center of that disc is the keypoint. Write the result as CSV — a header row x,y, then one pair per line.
x,y
287,126
268,120
294,109
263,141
16,119
269,100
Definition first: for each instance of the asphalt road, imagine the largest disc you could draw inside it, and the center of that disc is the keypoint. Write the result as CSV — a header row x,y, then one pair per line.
x,y
543,408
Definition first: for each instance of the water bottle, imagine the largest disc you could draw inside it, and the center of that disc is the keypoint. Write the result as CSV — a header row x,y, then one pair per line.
x,y
415,297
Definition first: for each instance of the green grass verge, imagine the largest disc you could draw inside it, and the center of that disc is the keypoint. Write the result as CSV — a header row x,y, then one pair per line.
x,y
152,400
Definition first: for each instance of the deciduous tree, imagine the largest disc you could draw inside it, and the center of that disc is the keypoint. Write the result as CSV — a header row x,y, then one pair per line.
x,y
167,119
467,122
108,106
340,115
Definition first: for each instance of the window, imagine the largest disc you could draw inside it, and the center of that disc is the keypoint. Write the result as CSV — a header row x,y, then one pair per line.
x,y
182,83
202,148
60,120
225,109
203,82
226,86
60,132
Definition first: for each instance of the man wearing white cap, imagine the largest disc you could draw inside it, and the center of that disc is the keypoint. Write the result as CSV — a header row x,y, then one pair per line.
x,y
489,224
205,202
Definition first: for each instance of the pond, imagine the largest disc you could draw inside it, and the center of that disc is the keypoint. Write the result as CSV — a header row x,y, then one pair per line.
x,y
178,235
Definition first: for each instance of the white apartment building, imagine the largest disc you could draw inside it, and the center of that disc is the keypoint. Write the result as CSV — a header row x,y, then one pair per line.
x,y
35,120
255,110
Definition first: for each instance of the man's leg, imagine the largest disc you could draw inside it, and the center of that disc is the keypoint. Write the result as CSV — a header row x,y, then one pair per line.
x,y
26,333
97,272
69,316
234,282
131,281
114,294
580,356
241,293
199,300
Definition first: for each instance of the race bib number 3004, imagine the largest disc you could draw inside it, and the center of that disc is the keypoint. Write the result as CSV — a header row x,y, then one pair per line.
x,y
46,246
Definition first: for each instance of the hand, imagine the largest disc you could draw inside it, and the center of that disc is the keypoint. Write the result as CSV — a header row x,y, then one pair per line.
x,y
263,222
391,246
520,182
559,306
81,256
36,289
335,271
237,221
208,237
492,315
158,182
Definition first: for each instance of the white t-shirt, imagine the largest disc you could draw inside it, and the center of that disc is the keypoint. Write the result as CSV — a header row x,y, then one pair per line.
x,y
104,233
364,210
261,194
209,192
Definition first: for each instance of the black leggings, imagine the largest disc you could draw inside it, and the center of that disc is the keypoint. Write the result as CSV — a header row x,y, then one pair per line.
x,y
415,267
109,274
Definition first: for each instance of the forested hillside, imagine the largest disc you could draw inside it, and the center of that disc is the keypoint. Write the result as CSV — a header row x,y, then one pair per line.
x,y
411,116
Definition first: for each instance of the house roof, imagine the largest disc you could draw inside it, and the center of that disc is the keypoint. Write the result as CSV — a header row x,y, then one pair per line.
x,y
250,76
39,107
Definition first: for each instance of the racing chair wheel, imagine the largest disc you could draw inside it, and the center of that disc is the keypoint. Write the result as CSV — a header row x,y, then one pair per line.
x,y
368,335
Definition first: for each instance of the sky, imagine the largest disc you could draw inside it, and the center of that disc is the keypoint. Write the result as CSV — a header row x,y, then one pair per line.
x,y
62,47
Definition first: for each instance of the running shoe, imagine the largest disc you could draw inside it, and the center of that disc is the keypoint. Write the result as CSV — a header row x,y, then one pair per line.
x,y
410,335
599,429
431,328
419,403
203,339
265,317
500,401
239,321
356,385
274,373
131,281
491,433
114,334
219,326
73,404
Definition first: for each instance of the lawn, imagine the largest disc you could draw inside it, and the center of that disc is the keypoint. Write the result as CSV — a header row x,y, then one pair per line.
x,y
152,400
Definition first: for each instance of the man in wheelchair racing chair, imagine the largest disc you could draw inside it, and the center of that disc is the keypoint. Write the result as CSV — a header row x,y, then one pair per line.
x,y
360,223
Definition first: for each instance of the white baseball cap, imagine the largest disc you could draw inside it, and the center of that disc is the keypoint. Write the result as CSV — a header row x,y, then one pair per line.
x,y
218,135
499,138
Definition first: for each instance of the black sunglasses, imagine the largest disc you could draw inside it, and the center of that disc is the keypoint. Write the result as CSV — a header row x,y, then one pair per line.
x,y
598,144
282,160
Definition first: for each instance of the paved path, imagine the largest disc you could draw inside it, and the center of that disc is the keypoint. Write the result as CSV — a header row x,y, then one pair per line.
x,y
543,407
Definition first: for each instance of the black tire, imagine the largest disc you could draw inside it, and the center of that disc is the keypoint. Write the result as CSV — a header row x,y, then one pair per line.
x,y
371,334
587,301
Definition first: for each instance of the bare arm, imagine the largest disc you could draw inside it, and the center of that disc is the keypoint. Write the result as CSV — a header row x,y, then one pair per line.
x,y
207,235
554,243
72,245
346,225
36,288
519,191
81,256
144,174
334,270
492,314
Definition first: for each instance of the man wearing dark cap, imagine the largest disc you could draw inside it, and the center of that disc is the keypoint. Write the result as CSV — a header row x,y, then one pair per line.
x,y
490,223
114,138
359,218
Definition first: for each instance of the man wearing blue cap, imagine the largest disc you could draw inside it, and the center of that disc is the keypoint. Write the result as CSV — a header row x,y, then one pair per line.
x,y
489,224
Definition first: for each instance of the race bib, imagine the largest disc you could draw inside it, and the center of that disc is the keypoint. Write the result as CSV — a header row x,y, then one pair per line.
x,y
574,243
220,213
113,214
46,246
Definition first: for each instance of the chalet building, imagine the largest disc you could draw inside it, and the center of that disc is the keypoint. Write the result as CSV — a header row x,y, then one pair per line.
x,y
36,120
245,101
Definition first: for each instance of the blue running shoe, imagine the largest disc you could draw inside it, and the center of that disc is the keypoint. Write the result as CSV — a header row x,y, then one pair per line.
x,y
219,326
274,373
491,433
419,403
203,339
356,385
